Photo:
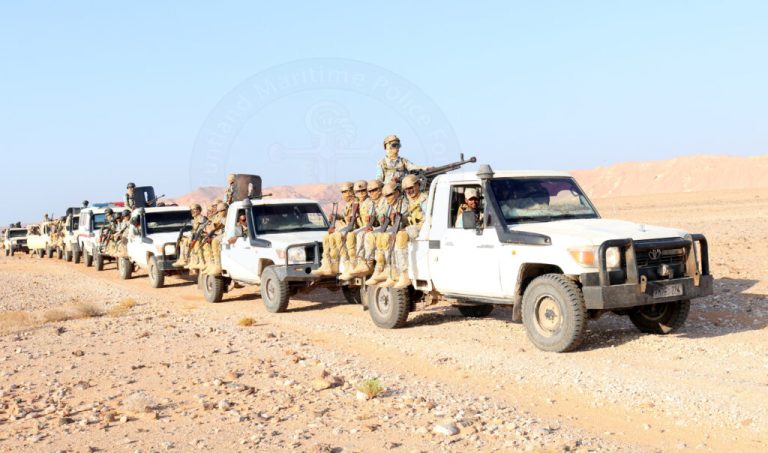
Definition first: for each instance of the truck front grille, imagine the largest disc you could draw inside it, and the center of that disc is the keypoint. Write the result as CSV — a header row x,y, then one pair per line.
x,y
653,256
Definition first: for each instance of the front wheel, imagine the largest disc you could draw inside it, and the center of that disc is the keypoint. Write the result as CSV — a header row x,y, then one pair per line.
x,y
352,295
76,256
660,318
125,268
59,253
274,291
7,252
156,276
554,313
98,261
389,307
49,252
213,288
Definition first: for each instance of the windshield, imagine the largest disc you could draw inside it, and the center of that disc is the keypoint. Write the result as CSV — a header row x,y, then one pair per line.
x,y
168,222
98,220
524,200
288,218
17,233
75,223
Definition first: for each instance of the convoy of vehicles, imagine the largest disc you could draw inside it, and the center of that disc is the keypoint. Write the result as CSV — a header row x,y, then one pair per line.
x,y
538,246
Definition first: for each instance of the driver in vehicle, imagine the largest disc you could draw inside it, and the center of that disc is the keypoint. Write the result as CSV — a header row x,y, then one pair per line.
x,y
471,203
241,230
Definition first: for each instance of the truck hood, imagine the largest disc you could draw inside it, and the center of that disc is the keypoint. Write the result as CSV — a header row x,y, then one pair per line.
x,y
283,240
596,231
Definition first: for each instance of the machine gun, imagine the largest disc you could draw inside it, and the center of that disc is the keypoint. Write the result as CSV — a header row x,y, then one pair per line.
x,y
426,176
152,202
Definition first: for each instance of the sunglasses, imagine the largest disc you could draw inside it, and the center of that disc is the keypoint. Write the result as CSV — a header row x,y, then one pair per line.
x,y
410,189
394,145
389,196
361,191
373,190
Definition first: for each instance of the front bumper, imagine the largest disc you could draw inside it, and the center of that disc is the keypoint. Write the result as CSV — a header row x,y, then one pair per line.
x,y
627,288
302,272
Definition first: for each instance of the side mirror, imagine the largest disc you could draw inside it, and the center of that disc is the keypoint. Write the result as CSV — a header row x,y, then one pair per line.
x,y
468,220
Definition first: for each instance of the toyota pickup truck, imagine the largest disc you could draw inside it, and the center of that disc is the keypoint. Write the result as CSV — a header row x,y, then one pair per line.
x,y
71,224
154,247
280,249
39,239
89,237
540,246
15,240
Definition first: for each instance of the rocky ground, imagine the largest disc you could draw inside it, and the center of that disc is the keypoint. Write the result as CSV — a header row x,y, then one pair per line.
x,y
89,362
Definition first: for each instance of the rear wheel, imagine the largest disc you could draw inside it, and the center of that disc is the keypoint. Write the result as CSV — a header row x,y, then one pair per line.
x,y
475,311
87,258
98,261
76,256
49,251
389,307
213,288
353,295
554,313
661,318
7,252
274,291
125,268
156,276
60,253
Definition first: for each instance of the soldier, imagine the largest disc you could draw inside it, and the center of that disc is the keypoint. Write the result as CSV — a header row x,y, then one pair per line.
x,y
85,204
471,203
332,239
409,230
188,252
106,229
212,242
123,231
363,220
396,206
367,238
241,229
130,200
394,168
229,195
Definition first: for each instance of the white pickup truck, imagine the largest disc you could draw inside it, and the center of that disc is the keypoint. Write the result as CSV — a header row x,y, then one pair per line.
x,y
542,248
39,239
89,237
15,240
279,251
155,246
71,224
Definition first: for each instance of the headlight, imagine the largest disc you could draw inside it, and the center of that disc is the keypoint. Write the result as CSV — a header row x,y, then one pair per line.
x,y
612,258
170,249
584,256
297,255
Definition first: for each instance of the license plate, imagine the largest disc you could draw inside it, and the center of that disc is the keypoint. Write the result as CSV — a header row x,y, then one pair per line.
x,y
668,291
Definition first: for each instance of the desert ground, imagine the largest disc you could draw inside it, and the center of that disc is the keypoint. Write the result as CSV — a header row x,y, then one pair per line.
x,y
89,362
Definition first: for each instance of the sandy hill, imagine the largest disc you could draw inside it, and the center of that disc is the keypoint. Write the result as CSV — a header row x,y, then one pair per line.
x,y
682,174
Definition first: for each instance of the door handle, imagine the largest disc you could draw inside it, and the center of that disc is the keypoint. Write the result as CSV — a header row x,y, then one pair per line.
x,y
485,246
448,244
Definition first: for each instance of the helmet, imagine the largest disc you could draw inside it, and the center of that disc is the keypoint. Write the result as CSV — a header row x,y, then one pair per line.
x,y
231,178
131,186
389,139
361,185
108,211
375,184
470,193
346,186
389,189
221,207
126,213
85,203
195,206
410,181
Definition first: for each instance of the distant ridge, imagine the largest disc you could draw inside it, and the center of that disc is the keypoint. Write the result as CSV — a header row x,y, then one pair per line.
x,y
681,174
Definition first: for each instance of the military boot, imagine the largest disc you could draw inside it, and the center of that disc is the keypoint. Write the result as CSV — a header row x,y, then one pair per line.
x,y
181,262
363,268
347,274
324,269
403,282
388,283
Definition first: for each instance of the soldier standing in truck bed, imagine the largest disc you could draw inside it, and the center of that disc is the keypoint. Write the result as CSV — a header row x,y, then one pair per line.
x,y
229,195
130,199
394,168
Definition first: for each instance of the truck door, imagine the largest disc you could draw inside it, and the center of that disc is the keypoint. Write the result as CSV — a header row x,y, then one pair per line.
x,y
463,262
239,258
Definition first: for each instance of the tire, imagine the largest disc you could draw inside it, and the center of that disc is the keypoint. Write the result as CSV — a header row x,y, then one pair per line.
x,y
76,255
554,313
7,252
12,251
389,307
87,258
124,268
353,295
49,252
60,253
213,288
98,261
661,319
274,291
475,311
156,276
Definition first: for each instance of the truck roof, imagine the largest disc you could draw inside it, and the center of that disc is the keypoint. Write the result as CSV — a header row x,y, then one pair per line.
x,y
166,209
472,175
275,201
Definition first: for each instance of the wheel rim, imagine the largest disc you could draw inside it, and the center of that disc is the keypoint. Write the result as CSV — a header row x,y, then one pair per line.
x,y
270,290
549,316
208,283
655,312
382,302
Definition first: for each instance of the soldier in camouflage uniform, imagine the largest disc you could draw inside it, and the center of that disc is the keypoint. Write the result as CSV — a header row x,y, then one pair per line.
x,y
396,205
130,199
354,237
121,236
332,240
107,228
409,231
394,168
189,254
212,244
367,238
229,195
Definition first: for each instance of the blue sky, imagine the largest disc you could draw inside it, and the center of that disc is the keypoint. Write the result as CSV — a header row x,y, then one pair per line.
x,y
93,95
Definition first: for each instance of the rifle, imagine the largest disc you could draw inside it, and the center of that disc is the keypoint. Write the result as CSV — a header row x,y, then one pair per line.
x,y
426,176
181,234
209,235
154,200
352,219
259,197
395,229
197,233
334,213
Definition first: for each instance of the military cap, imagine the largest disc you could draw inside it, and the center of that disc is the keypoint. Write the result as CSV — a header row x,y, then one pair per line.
x,y
410,181
131,186
344,187
389,188
85,203
390,138
231,177
361,185
195,206
221,207
470,193
108,211
375,184
126,213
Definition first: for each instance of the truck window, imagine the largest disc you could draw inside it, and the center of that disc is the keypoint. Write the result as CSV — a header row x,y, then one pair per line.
x,y
457,199
287,218
168,222
97,220
541,199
